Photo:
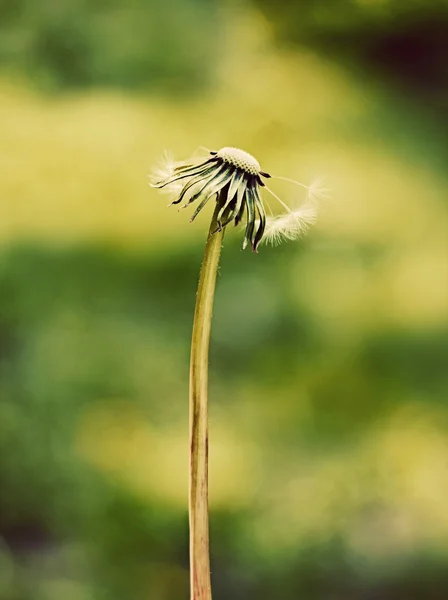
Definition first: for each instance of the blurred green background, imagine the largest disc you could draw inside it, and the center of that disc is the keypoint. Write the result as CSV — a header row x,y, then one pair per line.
x,y
329,356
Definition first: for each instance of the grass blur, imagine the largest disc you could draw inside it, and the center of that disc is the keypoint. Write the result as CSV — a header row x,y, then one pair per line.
x,y
329,424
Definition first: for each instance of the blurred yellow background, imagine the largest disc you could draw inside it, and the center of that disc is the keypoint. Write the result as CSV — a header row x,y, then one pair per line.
x,y
329,377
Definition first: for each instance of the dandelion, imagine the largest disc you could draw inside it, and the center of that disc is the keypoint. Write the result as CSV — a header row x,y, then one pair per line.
x,y
234,179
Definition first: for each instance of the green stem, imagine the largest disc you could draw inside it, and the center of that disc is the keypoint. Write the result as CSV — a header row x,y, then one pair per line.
x,y
198,483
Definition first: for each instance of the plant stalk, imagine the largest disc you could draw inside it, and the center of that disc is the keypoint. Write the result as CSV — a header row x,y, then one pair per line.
x,y
200,584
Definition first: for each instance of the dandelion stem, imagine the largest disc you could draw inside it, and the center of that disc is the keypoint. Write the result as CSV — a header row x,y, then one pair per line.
x,y
198,482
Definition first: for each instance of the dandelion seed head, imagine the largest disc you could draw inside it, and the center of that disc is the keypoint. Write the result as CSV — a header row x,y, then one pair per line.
x,y
233,178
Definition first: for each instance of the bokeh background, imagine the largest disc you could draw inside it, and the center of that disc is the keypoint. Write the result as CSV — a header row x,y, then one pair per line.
x,y
329,356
